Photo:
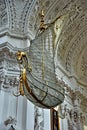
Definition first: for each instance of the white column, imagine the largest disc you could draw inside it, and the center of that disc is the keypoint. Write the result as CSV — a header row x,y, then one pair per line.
x,y
4,105
21,113
63,124
1,105
47,125
30,116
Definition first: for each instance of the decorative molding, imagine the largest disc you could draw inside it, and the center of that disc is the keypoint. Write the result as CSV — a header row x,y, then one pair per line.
x,y
3,14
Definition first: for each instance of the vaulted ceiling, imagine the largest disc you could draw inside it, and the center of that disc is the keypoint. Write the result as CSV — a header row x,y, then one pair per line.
x,y
23,17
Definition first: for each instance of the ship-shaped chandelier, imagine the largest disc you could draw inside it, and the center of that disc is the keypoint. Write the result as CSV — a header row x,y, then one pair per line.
x,y
38,79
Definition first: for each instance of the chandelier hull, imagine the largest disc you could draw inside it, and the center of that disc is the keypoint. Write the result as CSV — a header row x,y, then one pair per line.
x,y
44,94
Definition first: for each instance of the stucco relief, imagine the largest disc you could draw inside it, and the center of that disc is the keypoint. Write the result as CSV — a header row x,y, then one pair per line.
x,y
71,50
3,13
8,63
82,72
10,82
8,124
77,19
73,115
14,14
39,118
